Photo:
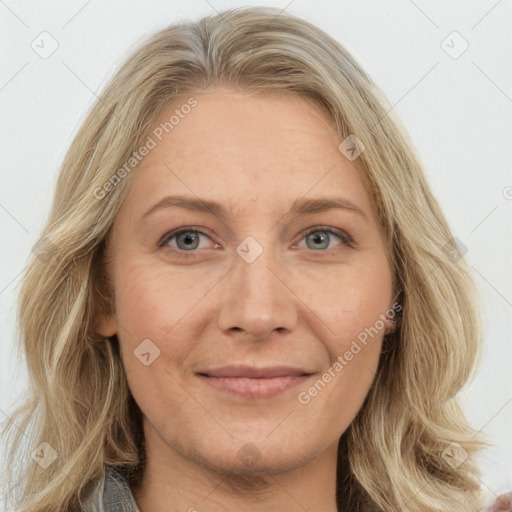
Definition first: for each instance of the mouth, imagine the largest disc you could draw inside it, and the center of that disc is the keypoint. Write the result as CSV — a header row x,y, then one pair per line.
x,y
252,382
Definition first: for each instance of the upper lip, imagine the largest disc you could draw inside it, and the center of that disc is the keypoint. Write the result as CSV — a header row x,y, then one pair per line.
x,y
254,372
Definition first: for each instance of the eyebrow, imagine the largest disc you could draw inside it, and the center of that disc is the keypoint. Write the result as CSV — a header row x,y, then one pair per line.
x,y
300,206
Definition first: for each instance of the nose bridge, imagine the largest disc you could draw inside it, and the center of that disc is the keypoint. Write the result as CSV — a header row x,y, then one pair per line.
x,y
252,271
255,298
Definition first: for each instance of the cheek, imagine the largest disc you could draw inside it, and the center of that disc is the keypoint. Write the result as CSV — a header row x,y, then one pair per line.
x,y
350,299
353,311
153,308
356,332
152,299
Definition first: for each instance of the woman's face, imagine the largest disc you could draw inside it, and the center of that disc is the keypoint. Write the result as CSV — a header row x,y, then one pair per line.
x,y
198,315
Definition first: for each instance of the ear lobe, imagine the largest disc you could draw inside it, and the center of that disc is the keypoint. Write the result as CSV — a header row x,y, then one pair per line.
x,y
390,327
392,318
107,326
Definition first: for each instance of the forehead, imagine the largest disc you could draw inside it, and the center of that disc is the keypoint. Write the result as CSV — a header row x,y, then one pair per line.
x,y
238,148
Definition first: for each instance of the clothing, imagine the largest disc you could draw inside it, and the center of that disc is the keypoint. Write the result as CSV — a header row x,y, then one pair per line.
x,y
116,496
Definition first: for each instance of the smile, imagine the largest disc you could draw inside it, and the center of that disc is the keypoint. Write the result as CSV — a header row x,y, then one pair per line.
x,y
254,387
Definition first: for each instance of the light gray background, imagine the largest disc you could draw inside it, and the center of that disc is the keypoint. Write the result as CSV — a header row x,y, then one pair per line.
x,y
458,112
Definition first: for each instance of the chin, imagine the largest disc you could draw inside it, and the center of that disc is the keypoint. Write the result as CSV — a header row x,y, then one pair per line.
x,y
278,453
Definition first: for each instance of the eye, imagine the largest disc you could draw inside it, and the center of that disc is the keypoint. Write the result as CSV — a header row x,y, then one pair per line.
x,y
187,240
319,238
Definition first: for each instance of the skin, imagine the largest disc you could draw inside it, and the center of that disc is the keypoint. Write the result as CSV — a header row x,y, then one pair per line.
x,y
503,503
301,302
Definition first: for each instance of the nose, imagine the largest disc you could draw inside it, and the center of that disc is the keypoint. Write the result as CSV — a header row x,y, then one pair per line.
x,y
257,298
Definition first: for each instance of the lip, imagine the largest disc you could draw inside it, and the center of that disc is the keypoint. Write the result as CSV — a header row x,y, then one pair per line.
x,y
251,382
252,372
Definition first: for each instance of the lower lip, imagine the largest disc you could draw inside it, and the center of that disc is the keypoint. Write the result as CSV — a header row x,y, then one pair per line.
x,y
255,388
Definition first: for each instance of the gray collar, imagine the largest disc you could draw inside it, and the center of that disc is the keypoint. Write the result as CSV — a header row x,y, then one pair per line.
x,y
117,496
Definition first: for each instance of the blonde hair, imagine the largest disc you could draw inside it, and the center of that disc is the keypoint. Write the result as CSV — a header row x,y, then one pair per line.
x,y
391,457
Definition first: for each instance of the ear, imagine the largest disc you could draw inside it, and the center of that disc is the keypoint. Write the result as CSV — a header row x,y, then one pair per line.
x,y
107,326
390,326
392,314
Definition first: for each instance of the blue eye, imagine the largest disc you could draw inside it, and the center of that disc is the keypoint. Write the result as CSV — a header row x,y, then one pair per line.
x,y
186,237
321,237
187,240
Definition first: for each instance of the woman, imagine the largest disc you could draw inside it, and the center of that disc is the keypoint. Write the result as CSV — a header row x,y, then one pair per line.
x,y
245,296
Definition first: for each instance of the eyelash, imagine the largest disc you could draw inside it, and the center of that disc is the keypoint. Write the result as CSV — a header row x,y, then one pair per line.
x,y
346,239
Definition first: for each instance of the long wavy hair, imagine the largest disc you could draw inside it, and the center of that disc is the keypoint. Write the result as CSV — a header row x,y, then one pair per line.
x,y
393,457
